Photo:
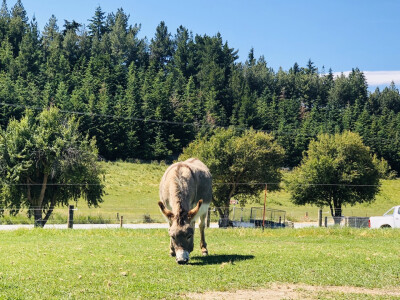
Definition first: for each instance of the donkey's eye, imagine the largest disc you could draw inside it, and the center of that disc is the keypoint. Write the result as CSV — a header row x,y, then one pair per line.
x,y
189,236
173,238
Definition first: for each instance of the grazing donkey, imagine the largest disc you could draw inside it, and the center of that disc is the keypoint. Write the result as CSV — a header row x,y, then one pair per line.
x,y
185,195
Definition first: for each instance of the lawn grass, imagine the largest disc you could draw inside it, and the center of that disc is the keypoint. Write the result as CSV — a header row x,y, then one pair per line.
x,y
131,190
130,264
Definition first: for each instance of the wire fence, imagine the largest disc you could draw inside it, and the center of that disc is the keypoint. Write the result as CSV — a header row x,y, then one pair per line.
x,y
233,216
216,183
136,211
142,211
60,215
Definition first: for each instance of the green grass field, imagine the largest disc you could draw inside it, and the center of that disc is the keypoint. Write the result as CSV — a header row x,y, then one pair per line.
x,y
130,264
132,191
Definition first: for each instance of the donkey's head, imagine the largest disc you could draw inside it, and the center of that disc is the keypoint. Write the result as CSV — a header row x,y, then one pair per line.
x,y
181,231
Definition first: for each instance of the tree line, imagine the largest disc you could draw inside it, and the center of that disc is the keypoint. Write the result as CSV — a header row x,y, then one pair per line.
x,y
148,99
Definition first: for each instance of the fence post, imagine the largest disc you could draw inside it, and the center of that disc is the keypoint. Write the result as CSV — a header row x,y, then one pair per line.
x,y
121,221
71,216
326,221
208,217
265,201
320,218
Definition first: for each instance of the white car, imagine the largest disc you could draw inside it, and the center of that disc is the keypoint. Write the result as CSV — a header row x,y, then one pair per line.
x,y
391,219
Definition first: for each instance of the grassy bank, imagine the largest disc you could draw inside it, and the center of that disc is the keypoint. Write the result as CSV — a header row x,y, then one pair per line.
x,y
87,264
132,191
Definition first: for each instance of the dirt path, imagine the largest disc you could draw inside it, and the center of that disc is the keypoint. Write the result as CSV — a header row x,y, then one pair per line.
x,y
293,291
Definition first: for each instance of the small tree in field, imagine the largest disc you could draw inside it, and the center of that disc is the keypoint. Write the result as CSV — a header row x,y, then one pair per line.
x,y
238,162
336,170
45,162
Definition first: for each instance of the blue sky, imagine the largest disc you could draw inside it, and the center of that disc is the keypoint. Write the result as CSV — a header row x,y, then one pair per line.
x,y
339,34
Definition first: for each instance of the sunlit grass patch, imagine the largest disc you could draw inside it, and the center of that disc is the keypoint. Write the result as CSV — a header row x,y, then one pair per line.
x,y
85,264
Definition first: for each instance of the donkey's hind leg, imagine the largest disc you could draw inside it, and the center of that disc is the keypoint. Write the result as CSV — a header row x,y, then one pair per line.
x,y
203,244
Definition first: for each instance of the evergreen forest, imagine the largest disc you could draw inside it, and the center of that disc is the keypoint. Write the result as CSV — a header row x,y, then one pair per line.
x,y
147,98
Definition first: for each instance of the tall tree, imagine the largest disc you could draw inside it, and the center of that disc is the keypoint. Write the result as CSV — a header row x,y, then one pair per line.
x,y
336,170
161,46
70,26
4,20
29,57
18,26
390,98
50,32
45,162
183,57
118,36
235,157
97,25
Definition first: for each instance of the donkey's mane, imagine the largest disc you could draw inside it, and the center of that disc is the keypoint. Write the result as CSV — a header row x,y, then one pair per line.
x,y
180,181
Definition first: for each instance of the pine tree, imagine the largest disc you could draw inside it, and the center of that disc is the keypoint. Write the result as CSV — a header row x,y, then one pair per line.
x,y
70,26
133,124
4,20
390,98
97,25
183,55
50,33
29,60
118,37
161,46
18,11
70,45
18,26
311,69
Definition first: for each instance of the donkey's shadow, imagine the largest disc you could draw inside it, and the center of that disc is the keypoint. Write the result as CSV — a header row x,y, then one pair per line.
x,y
218,259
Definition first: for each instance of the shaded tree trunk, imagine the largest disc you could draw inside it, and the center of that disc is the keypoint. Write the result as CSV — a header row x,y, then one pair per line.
x,y
224,216
39,220
37,210
224,211
37,214
336,212
48,214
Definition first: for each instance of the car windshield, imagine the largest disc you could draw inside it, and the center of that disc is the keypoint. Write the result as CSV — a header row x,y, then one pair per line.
x,y
389,212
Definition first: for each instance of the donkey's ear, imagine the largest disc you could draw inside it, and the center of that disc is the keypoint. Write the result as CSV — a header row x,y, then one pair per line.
x,y
192,213
169,214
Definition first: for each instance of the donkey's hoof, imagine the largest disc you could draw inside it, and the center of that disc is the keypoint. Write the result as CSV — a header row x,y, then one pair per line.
x,y
204,252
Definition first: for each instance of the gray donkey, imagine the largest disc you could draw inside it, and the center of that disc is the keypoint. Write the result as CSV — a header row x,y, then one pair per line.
x,y
185,195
